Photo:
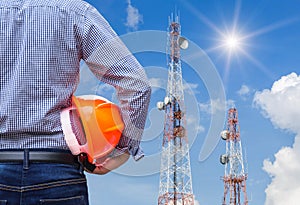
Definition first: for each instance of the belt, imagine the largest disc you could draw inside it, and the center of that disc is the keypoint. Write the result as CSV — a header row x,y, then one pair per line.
x,y
38,156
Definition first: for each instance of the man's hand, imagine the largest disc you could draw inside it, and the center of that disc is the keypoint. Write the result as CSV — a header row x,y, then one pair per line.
x,y
111,163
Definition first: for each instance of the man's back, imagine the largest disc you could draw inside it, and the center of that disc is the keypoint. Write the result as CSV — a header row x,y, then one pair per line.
x,y
41,46
40,52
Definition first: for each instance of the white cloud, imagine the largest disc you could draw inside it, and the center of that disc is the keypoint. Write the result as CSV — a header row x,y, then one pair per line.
x,y
133,17
215,105
284,171
244,92
230,103
205,107
200,128
193,122
281,105
191,88
157,84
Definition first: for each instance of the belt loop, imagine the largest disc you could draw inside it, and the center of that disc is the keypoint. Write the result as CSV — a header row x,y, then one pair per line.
x,y
26,159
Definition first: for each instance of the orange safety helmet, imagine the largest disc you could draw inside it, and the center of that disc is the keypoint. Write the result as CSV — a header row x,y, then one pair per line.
x,y
93,125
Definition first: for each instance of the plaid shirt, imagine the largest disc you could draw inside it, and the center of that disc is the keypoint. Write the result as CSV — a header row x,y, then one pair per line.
x,y
41,46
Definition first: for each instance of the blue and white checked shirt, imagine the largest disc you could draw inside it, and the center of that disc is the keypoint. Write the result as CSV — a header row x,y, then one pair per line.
x,y
41,45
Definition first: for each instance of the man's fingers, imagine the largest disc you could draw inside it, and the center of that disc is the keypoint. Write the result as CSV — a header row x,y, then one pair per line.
x,y
111,164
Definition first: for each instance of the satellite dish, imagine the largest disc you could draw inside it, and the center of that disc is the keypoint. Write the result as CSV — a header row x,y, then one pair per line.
x,y
160,105
225,135
167,100
183,43
224,159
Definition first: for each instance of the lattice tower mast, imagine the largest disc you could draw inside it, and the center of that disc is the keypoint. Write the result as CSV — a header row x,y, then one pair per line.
x,y
234,176
175,174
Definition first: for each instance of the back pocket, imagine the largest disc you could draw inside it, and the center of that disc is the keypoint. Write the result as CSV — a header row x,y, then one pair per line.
x,y
78,200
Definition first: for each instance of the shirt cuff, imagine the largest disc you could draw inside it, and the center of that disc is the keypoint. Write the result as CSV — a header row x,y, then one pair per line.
x,y
133,148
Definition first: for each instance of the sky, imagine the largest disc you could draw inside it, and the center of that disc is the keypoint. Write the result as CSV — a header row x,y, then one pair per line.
x,y
242,54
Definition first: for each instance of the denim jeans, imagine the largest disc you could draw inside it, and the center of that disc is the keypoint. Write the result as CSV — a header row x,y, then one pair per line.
x,y
42,184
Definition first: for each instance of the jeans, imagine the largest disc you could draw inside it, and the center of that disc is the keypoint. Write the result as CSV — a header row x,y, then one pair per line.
x,y
42,184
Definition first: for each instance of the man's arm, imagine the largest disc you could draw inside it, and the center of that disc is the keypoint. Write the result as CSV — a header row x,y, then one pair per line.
x,y
112,63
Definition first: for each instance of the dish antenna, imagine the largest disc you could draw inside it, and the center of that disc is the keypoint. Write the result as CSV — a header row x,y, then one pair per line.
x,y
183,43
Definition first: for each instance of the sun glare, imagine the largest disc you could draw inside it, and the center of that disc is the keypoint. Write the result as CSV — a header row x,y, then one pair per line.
x,y
232,42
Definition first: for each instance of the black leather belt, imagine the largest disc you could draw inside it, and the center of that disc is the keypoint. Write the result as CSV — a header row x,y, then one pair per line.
x,y
38,156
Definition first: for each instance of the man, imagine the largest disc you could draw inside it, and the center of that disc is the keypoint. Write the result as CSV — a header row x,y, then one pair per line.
x,y
41,46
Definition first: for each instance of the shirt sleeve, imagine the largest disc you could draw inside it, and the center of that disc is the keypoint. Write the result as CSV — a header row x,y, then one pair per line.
x,y
112,63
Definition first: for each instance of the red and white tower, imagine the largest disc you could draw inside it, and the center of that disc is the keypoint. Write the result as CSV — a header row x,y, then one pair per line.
x,y
234,177
175,174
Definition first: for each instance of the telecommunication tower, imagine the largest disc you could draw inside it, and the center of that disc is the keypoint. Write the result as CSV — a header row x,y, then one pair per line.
x,y
234,177
175,173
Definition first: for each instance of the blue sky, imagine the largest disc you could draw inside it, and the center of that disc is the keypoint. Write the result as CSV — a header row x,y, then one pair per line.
x,y
260,77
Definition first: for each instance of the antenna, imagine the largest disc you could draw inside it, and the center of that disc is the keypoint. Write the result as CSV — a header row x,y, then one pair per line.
x,y
234,177
175,187
183,43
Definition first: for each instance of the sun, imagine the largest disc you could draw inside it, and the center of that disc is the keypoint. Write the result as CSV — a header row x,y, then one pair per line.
x,y
232,45
232,42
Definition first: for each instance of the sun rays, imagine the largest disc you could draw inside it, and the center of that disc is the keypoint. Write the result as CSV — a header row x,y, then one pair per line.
x,y
233,43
